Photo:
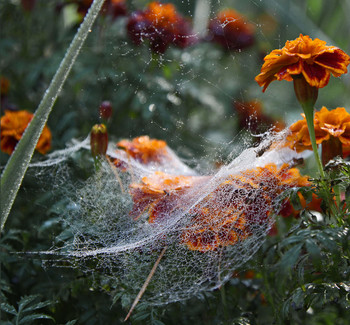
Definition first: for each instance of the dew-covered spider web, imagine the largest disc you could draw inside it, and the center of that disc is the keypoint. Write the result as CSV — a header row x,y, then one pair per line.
x,y
134,206
182,72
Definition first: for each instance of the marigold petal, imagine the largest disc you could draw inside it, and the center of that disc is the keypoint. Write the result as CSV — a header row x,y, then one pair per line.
x,y
274,62
345,137
286,72
336,61
315,75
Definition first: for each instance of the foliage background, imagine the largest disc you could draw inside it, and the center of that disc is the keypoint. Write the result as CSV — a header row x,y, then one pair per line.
x,y
301,275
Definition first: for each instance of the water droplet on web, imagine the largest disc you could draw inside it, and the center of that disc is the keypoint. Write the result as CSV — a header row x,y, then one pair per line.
x,y
151,107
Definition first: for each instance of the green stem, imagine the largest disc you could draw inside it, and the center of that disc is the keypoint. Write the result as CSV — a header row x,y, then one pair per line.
x,y
309,115
18,163
224,302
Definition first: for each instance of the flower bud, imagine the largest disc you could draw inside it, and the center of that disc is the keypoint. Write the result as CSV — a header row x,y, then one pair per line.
x,y
305,93
105,110
98,140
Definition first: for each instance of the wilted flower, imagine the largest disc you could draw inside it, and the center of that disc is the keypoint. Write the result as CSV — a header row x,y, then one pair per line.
x,y
161,25
252,117
332,130
98,140
144,149
13,125
231,30
310,58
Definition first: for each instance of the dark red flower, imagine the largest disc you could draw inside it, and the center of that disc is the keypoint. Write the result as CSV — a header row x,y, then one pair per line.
x,y
231,30
161,25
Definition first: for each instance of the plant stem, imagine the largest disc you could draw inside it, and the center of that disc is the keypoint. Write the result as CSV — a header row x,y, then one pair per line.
x,y
309,115
18,163
224,302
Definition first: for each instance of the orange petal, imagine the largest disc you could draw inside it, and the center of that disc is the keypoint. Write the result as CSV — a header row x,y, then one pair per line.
x,y
286,72
336,61
345,137
315,75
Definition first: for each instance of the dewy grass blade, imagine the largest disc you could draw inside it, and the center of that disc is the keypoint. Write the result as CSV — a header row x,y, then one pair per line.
x,y
17,165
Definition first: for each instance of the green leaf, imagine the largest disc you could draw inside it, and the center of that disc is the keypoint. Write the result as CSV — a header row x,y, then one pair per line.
x,y
8,308
157,322
314,251
71,322
327,242
292,240
290,257
28,319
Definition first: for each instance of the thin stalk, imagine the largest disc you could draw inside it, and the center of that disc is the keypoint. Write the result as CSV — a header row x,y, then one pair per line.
x,y
12,176
145,285
224,302
309,115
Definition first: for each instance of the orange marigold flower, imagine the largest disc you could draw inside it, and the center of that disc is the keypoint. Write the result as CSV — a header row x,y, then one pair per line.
x,y
162,25
13,125
333,125
157,194
162,15
231,30
304,56
144,149
214,229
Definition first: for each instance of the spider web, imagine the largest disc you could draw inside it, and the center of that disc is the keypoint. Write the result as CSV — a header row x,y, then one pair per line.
x,y
108,240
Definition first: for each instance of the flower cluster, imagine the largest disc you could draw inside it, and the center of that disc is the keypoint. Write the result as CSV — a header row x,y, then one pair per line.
x,y
162,25
13,125
227,215
231,30
310,58
332,130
